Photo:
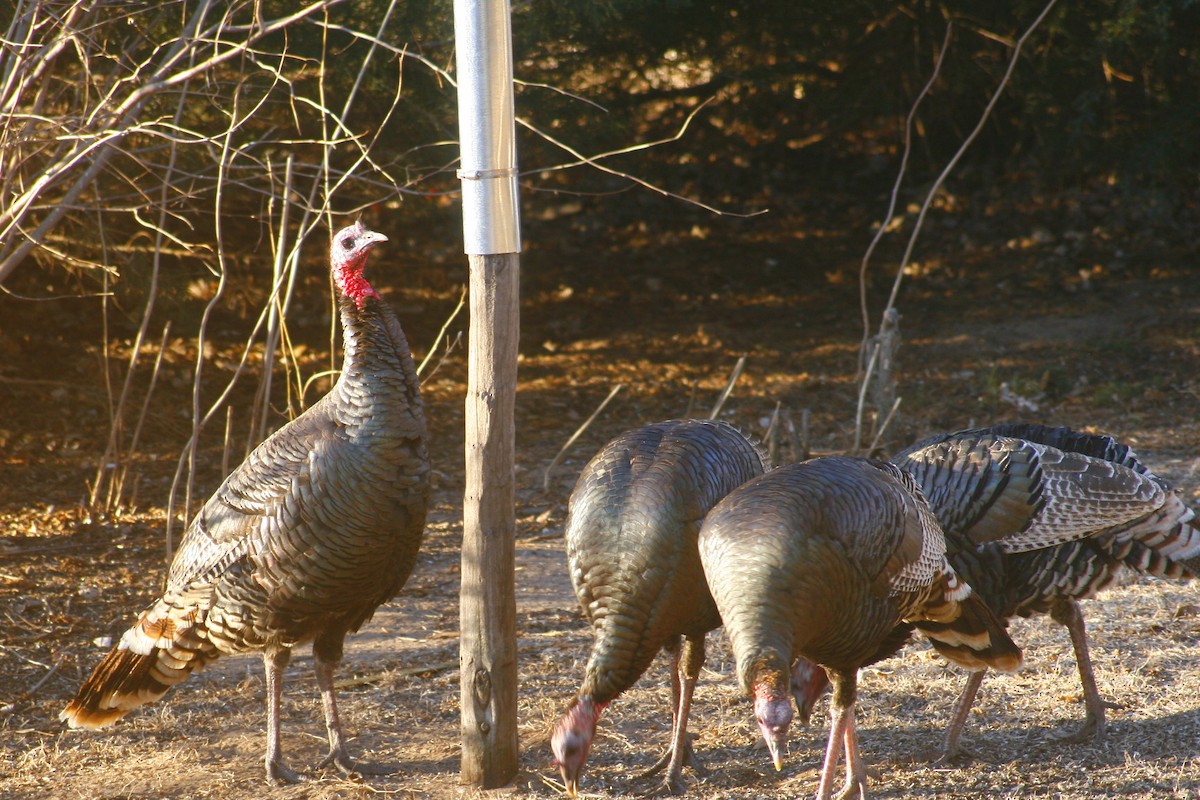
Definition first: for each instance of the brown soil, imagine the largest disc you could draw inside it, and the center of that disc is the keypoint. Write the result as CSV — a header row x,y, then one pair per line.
x,y
1096,324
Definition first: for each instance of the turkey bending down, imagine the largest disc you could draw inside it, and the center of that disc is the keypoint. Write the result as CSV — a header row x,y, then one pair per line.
x,y
823,559
631,550
302,542
1160,539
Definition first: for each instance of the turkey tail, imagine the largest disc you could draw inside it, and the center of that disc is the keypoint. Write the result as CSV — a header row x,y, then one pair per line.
x,y
127,677
120,683
976,639
1165,543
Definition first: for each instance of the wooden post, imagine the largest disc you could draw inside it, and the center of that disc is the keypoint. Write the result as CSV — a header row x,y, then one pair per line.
x,y
488,611
491,240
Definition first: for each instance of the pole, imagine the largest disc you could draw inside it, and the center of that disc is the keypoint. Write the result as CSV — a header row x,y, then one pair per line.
x,y
491,237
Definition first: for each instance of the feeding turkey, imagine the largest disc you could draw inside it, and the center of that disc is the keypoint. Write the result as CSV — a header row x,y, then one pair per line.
x,y
302,542
823,559
1085,482
631,533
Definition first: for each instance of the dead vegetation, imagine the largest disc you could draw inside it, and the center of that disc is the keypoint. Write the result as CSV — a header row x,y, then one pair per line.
x,y
984,323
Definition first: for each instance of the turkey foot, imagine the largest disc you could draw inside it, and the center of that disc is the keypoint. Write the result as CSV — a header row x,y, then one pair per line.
x,y
952,758
352,769
1094,726
280,774
851,791
689,759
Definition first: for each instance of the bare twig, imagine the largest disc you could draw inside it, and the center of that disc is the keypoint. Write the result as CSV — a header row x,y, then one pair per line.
x,y
728,390
258,418
202,334
135,438
99,135
578,432
462,299
880,371
800,440
451,346
387,674
772,434
154,372
691,404
932,193
42,682
113,451
227,441
983,118
891,209
106,465
595,162
882,428
316,376
580,159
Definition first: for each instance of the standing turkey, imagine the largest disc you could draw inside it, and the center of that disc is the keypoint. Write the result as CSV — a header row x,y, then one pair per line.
x,y
631,550
1161,540
824,559
302,542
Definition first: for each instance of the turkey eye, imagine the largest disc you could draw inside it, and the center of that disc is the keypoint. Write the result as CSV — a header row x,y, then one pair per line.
x,y
348,243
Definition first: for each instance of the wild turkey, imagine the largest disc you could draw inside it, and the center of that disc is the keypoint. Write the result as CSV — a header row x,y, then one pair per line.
x,y
1160,540
302,542
631,550
824,559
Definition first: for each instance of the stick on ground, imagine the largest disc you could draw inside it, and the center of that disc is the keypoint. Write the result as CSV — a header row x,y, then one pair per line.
x,y
576,435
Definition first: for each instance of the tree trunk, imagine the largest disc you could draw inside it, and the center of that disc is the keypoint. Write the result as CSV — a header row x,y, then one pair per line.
x,y
487,648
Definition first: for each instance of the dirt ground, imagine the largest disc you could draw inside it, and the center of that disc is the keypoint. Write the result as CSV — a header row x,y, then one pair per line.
x,y
1071,313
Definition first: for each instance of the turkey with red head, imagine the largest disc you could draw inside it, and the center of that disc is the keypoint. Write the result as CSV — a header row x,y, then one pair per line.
x,y
302,542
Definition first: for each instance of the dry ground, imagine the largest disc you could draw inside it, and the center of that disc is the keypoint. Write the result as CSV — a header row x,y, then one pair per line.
x,y
1100,330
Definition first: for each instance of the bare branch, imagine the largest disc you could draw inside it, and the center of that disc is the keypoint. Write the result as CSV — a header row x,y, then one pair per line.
x,y
462,301
941,178
929,197
578,432
108,123
891,209
594,161
728,390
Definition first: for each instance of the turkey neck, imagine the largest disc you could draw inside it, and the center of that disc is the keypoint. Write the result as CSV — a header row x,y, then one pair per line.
x,y
378,386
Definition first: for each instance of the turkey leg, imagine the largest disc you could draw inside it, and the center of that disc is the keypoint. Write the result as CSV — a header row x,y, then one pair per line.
x,y
274,661
1068,613
685,670
843,736
681,747
958,720
337,755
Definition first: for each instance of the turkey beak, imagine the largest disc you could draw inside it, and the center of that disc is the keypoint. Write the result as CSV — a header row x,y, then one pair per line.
x,y
570,779
775,738
376,238
774,716
776,747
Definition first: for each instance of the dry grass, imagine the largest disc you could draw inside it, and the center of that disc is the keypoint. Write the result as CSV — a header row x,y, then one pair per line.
x,y
65,580
206,740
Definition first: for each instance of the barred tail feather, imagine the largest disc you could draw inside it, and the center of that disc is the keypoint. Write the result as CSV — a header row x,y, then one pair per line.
x,y
119,683
125,680
1165,543
976,639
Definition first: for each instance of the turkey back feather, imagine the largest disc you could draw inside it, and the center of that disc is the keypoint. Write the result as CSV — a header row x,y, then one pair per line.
x,y
823,559
631,541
